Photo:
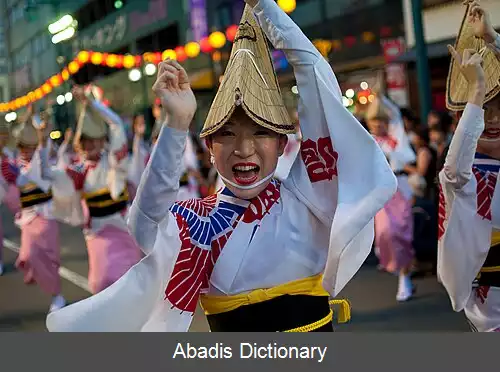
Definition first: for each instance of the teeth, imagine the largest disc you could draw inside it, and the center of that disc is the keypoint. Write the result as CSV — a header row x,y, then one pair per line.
x,y
245,168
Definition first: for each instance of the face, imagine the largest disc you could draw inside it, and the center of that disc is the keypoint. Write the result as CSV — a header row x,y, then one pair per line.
x,y
245,153
436,137
26,152
433,119
138,121
92,147
489,142
378,127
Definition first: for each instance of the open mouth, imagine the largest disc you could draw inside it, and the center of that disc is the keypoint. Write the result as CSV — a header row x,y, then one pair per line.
x,y
492,133
245,173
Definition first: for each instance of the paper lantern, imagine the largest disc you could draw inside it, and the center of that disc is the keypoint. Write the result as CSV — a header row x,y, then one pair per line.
x,y
96,58
231,32
217,39
128,61
56,80
46,88
83,56
181,53
368,37
148,57
205,46
65,74
38,93
111,60
192,49
169,53
288,6
73,67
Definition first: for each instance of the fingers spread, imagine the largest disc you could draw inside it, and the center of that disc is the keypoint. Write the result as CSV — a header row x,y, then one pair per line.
x,y
454,54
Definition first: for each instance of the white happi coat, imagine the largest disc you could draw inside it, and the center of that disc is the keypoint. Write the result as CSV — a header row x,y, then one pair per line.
x,y
318,221
469,212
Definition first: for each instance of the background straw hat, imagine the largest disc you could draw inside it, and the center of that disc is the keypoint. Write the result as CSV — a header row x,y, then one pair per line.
x,y
25,133
250,83
90,124
457,88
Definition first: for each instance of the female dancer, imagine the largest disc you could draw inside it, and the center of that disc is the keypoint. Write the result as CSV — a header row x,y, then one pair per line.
x,y
39,256
99,176
469,213
261,255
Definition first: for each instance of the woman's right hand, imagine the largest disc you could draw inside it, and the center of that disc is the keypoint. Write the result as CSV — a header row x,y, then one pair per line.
x,y
177,99
470,65
481,23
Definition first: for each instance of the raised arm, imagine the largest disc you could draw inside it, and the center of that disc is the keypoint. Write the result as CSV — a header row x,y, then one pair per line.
x,y
457,170
480,21
159,184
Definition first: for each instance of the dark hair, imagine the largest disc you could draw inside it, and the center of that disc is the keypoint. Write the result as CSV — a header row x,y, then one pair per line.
x,y
408,114
422,133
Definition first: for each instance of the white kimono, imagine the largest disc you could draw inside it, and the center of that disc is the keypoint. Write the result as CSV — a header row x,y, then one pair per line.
x,y
318,221
469,212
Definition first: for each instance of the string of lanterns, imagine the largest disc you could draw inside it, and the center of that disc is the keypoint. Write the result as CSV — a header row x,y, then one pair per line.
x,y
216,40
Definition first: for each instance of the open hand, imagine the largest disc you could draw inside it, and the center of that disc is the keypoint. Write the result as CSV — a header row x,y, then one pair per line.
x,y
177,99
79,93
470,65
481,23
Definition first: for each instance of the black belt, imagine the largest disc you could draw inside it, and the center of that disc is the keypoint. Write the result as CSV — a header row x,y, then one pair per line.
x,y
107,210
489,274
103,205
34,197
279,314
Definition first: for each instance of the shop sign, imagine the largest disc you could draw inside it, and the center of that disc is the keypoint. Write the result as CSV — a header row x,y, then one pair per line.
x,y
199,24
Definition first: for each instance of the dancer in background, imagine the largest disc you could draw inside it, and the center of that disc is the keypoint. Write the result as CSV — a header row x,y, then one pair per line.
x,y
297,242
394,223
469,204
39,255
9,193
99,176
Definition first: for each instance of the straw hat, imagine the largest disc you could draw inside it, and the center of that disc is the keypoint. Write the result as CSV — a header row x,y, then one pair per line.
x,y
25,133
457,90
250,83
377,110
90,124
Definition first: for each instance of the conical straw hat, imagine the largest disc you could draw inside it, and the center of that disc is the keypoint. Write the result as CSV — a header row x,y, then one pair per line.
x,y
25,133
249,82
457,89
90,124
377,110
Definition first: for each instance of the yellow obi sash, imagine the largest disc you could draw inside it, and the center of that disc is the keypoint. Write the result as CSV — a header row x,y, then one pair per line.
x,y
31,195
311,286
490,272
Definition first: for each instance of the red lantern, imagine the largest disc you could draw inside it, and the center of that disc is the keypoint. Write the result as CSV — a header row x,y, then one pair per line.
x,y
181,54
350,41
205,46
231,32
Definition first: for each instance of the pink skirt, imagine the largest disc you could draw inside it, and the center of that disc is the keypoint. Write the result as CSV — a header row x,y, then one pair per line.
x,y
394,234
39,256
112,252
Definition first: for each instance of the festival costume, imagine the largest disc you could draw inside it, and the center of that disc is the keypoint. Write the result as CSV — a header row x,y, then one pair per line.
x,y
286,160
469,205
9,193
266,264
94,194
39,254
394,222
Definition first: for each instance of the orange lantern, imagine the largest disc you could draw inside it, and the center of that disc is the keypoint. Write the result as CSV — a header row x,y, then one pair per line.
x,y
46,88
31,96
38,93
217,40
205,46
83,56
148,57
96,58
192,49
129,61
231,32
181,53
288,6
111,60
73,67
169,53
56,80
65,74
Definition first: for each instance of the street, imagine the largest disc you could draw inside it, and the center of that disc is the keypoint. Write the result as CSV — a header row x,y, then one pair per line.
x,y
372,294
